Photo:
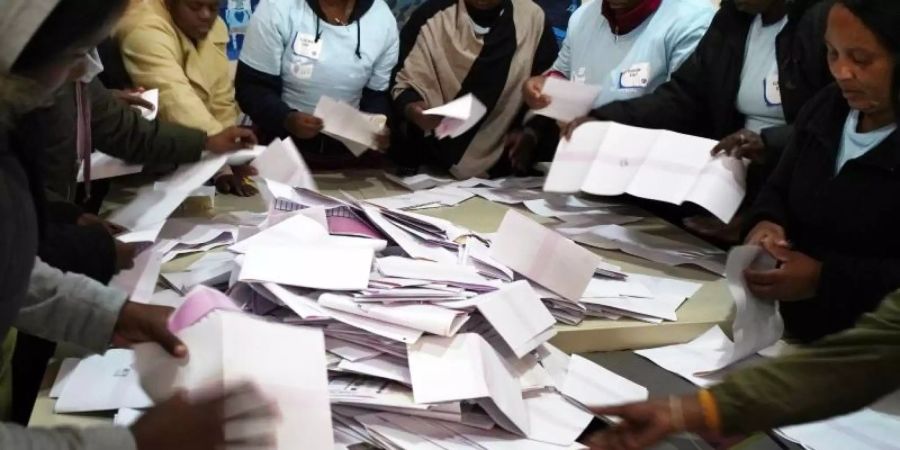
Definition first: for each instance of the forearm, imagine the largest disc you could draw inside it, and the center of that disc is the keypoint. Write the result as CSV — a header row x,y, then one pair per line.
x,y
70,308
97,438
836,375
259,96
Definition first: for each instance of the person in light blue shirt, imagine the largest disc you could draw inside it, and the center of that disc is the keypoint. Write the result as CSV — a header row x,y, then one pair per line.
x,y
297,51
626,47
759,97
855,143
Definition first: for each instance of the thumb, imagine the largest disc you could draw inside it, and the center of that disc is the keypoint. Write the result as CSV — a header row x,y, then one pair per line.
x,y
777,251
167,340
619,411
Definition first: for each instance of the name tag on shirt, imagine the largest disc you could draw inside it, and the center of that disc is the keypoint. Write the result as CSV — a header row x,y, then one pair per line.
x,y
773,90
638,76
302,71
580,75
306,46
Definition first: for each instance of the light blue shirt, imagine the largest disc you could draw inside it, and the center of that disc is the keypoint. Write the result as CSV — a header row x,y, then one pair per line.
x,y
274,45
636,63
855,144
759,98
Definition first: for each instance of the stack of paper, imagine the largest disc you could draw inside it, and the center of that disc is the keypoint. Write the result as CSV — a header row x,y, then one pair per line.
x,y
639,297
605,158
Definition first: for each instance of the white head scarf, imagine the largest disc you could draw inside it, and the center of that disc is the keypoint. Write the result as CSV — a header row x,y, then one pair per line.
x,y
19,20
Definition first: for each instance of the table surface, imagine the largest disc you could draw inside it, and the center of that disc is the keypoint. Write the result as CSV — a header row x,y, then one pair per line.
x,y
711,305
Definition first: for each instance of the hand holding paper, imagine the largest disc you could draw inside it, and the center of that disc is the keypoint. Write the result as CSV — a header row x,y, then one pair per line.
x,y
568,100
357,130
460,116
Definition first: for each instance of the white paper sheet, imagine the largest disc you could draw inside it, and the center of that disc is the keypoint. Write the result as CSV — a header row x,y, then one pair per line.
x,y
518,315
281,162
102,383
309,265
126,417
66,367
872,428
655,164
104,166
374,326
596,386
553,419
357,130
297,229
241,157
549,259
460,115
399,267
693,360
151,96
465,367
382,366
568,100
140,281
286,363
429,318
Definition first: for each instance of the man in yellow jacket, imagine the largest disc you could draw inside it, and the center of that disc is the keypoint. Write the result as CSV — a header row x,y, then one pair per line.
x,y
178,47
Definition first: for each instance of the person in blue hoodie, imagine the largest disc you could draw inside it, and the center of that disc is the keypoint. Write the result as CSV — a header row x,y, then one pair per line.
x,y
297,51
627,47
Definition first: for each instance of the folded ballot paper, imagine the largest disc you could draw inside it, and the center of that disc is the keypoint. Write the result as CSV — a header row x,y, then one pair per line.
x,y
355,129
568,100
226,347
605,158
459,115
281,162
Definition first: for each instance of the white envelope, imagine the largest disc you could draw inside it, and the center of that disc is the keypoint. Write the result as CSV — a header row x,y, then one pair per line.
x,y
309,265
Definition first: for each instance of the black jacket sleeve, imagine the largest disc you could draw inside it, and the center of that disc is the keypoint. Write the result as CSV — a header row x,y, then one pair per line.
x,y
259,96
545,128
120,131
375,102
771,204
88,250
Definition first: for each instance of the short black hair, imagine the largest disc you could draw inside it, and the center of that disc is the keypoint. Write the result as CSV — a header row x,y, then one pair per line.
x,y
68,23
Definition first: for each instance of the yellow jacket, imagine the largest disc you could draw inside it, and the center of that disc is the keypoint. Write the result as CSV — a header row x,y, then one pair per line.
x,y
195,84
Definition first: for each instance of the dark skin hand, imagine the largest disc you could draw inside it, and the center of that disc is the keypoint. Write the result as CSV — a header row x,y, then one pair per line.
x,y
414,113
742,144
570,127
125,254
238,182
303,126
796,277
231,140
644,424
132,98
139,323
183,423
532,93
520,147
88,219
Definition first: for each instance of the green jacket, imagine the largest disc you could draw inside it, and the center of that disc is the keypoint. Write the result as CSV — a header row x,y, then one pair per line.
x,y
835,375
116,129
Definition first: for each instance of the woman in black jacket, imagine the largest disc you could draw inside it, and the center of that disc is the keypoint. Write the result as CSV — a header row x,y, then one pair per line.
x,y
703,97
831,210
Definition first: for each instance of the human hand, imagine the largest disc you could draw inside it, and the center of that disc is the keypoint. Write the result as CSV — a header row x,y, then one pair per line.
x,y
238,182
646,423
230,140
742,144
383,140
415,113
139,323
303,126
132,98
796,277
569,128
237,418
88,219
520,147
125,253
532,93
766,231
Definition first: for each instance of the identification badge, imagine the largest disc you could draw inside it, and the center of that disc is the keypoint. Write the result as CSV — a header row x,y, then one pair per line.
x,y
773,90
638,76
302,71
306,46
580,75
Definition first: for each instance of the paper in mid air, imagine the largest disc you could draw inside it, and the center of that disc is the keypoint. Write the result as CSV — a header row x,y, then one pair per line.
x,y
281,162
605,158
355,129
460,116
568,100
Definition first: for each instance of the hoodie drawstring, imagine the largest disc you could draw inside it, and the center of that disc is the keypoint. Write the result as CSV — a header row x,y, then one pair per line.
x,y
358,35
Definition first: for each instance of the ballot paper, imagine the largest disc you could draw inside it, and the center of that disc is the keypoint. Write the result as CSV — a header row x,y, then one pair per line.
x,y
281,162
297,229
381,366
419,181
105,166
460,115
66,367
548,259
153,204
102,383
286,363
151,96
568,100
694,361
241,157
355,129
872,428
553,419
466,367
399,267
429,318
316,266
507,195
140,281
518,315
757,324
648,246
595,386
605,158
436,197
126,417
406,241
